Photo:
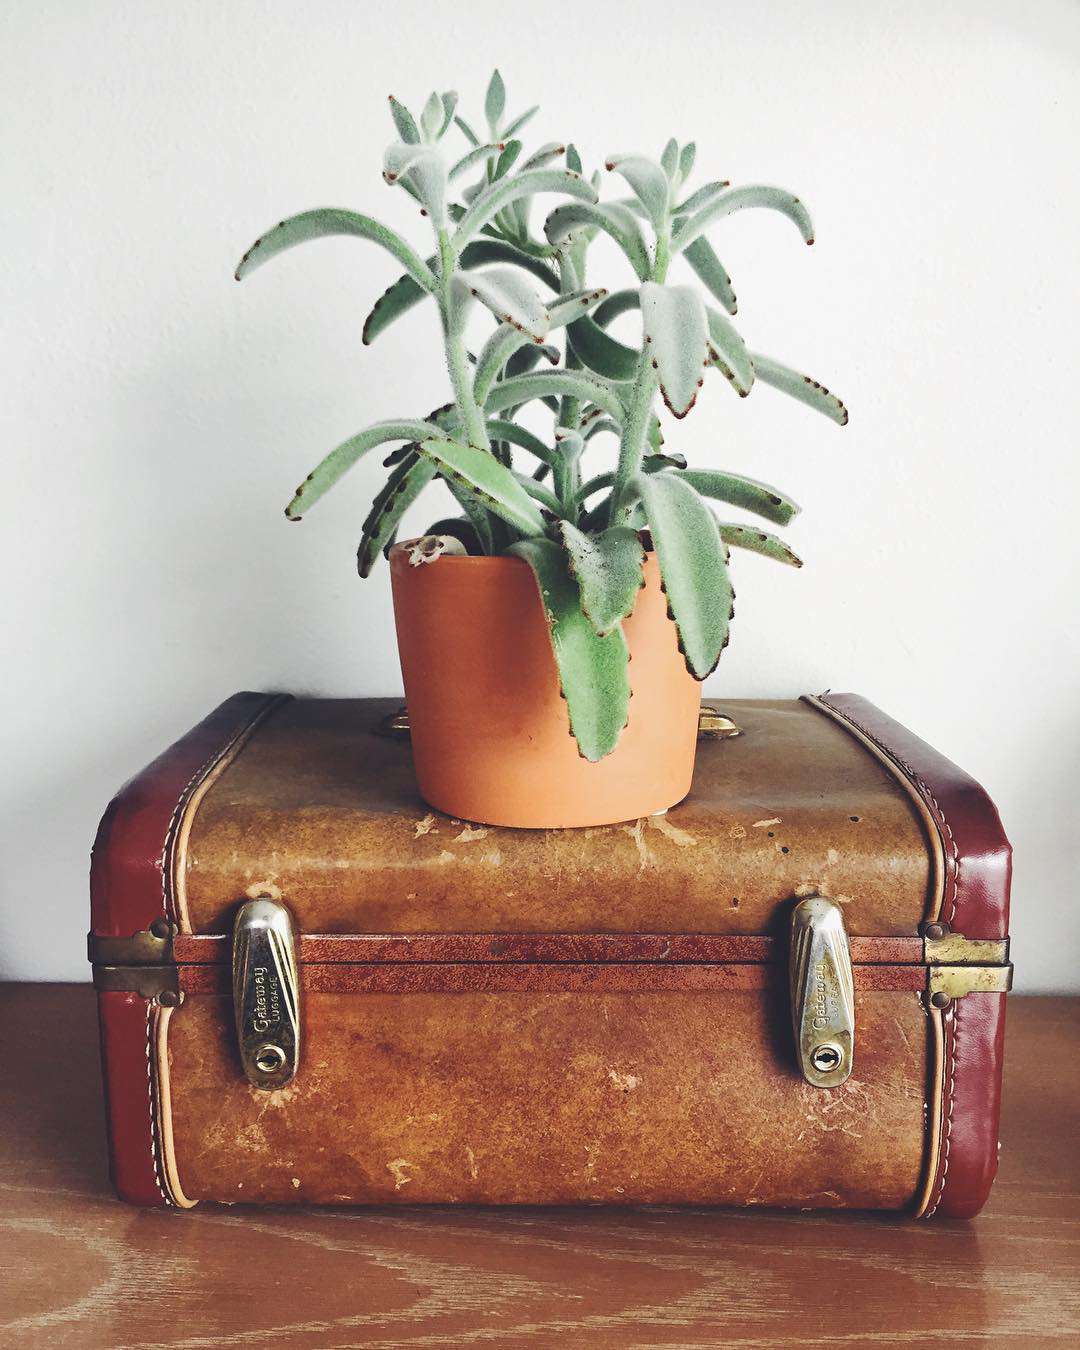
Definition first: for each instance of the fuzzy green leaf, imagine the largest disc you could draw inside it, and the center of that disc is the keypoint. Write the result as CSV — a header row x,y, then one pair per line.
x,y
759,541
800,387
466,130
325,474
510,297
508,190
686,161
693,564
421,169
702,258
521,436
705,194
506,339
648,182
403,120
774,199
573,159
600,352
495,100
495,486
543,383
432,118
449,105
527,116
329,221
403,487
547,152
728,351
399,298
748,493
593,670
618,302
676,339
608,571
567,223
479,154
669,160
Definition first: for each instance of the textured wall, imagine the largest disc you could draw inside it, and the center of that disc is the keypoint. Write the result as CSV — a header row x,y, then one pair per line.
x,y
156,416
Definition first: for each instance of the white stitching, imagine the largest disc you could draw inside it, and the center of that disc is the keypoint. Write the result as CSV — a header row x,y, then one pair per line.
x,y
164,862
948,1119
150,1095
952,879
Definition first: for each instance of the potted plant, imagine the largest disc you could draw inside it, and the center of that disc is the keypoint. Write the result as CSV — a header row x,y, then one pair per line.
x,y
553,635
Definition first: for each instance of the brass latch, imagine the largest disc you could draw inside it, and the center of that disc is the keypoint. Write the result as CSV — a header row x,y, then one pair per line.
x,y
822,992
958,965
266,993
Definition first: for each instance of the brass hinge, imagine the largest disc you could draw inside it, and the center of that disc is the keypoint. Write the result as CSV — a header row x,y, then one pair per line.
x,y
141,964
957,965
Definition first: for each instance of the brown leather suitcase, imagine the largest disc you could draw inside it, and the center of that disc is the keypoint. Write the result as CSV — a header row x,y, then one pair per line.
x,y
787,991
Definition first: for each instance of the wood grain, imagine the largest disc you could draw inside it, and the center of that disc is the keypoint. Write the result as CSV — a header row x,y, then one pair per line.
x,y
79,1269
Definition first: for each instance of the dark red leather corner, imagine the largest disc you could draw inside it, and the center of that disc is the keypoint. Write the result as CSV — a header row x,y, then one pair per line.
x,y
124,1020
127,892
978,857
978,875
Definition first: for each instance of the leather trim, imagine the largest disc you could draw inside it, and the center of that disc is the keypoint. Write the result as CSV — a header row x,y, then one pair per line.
x,y
170,1175
970,1106
131,886
126,1024
130,865
936,889
965,1100
565,977
556,948
978,858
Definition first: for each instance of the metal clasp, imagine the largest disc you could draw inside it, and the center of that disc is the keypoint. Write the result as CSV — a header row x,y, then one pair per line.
x,y
822,992
266,993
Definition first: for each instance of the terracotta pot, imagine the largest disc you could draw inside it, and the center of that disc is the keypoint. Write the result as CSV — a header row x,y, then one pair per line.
x,y
490,730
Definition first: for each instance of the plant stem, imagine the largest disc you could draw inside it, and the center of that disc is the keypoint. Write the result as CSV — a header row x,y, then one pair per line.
x,y
636,422
632,444
457,361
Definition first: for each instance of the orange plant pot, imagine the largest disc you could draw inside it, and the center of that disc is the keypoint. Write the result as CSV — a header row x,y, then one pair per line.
x,y
490,730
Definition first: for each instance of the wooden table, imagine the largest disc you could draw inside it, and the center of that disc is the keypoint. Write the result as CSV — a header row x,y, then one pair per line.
x,y
79,1269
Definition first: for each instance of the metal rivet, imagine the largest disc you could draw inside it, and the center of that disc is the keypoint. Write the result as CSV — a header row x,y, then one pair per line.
x,y
940,1000
161,928
169,998
936,930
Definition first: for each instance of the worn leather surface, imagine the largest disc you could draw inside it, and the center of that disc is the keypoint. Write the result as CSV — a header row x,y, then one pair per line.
x,y
128,888
548,1098
325,813
319,810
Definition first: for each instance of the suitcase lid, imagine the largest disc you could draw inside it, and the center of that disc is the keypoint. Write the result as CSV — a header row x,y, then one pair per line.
x,y
317,808
311,802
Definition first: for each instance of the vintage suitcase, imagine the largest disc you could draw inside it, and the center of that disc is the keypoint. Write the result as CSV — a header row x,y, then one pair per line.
x,y
787,991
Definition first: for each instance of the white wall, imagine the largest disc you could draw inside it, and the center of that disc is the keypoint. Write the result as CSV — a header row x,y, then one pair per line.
x,y
155,416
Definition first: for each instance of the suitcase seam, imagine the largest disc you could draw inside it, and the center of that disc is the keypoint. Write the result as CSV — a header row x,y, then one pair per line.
x,y
150,1095
949,1116
184,799
952,879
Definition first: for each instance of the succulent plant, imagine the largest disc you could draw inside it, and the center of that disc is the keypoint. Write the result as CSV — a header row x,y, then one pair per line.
x,y
585,540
